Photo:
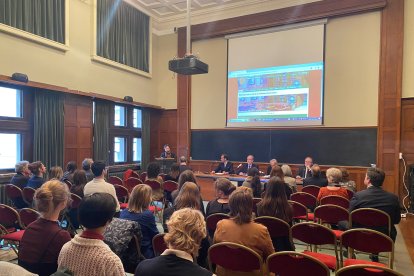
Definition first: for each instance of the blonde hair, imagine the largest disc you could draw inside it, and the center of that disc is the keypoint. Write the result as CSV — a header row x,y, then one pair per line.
x,y
50,195
55,172
287,171
188,196
334,175
186,229
140,198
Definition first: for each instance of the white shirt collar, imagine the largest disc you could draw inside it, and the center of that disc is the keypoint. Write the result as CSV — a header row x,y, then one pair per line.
x,y
179,253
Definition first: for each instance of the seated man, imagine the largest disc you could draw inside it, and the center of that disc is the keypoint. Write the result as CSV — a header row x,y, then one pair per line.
x,y
167,152
225,165
243,168
272,163
183,164
305,171
316,178
86,166
21,177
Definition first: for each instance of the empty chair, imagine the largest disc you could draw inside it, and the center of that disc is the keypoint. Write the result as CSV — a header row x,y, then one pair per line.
x,y
134,174
131,182
366,270
279,231
143,176
300,212
28,195
331,214
234,257
15,195
306,199
156,186
71,215
27,216
115,180
335,200
9,225
294,263
368,241
311,189
121,193
370,218
169,187
158,244
212,220
68,183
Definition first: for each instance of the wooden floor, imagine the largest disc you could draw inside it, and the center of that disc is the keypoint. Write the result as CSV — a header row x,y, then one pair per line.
x,y
407,230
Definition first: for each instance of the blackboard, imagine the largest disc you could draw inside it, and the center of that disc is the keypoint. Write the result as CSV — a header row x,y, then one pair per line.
x,y
338,146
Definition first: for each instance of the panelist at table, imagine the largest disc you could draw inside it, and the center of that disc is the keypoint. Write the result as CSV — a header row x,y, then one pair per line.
x,y
243,168
167,152
305,171
225,165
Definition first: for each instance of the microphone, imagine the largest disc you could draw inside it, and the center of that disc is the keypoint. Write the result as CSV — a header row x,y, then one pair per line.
x,y
239,166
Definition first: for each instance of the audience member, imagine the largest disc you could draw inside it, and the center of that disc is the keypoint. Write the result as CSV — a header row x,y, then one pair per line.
x,y
37,169
253,182
316,179
174,173
223,188
98,184
272,163
153,171
87,254
185,176
305,171
275,204
11,269
21,177
240,227
186,230
86,166
346,182
334,176
70,169
225,166
138,205
277,171
242,169
79,182
55,172
183,164
287,172
43,239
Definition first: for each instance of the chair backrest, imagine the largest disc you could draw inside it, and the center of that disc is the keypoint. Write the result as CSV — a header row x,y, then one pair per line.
x,y
294,263
170,186
76,200
154,184
370,218
121,193
143,176
163,175
304,198
158,244
13,192
131,182
255,201
9,216
68,183
134,174
299,210
366,270
313,233
335,200
228,255
27,216
311,189
331,214
212,220
28,194
115,180
277,228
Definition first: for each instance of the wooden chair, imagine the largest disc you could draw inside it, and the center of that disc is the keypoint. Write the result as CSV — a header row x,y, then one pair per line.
x,y
211,222
331,214
311,189
131,182
294,263
9,226
278,229
158,244
121,193
234,257
300,212
366,270
28,195
115,180
335,200
370,218
15,195
27,216
306,199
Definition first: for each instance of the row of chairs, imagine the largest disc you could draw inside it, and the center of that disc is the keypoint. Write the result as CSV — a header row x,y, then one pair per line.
x,y
314,190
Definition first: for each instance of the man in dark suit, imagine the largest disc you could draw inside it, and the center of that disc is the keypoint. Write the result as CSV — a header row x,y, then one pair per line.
x,y
305,171
316,178
243,168
375,197
225,165
167,152
272,163
21,177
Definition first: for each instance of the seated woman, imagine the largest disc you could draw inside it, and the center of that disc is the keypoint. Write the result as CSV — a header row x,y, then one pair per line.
x,y
334,176
70,169
221,204
287,172
55,172
240,228
153,171
43,239
185,176
37,169
138,204
174,173
253,182
79,182
87,254
186,229
277,171
275,204
346,182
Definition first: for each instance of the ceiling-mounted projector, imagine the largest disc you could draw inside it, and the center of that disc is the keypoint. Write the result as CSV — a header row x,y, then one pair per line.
x,y
188,65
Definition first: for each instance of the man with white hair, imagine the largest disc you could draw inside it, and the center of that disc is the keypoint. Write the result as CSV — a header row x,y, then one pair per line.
x,y
22,175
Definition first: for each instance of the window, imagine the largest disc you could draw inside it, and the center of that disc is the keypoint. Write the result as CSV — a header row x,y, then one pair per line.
x,y
119,149
137,118
136,149
10,150
11,102
119,119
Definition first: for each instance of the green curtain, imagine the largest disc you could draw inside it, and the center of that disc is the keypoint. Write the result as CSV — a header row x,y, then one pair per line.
x,y
101,130
48,124
45,18
123,34
145,137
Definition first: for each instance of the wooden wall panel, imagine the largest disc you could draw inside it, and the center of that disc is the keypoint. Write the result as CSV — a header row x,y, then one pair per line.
x,y
78,129
407,143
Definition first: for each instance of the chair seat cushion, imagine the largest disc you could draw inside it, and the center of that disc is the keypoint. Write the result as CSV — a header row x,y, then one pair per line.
x,y
152,208
338,233
15,236
349,262
123,205
329,260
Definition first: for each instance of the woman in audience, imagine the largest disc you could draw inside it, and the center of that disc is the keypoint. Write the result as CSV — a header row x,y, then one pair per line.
x,y
253,182
70,170
43,239
277,171
79,182
240,228
37,169
138,205
185,176
174,173
334,176
153,171
55,172
221,204
288,177
275,204
346,182
186,230
87,254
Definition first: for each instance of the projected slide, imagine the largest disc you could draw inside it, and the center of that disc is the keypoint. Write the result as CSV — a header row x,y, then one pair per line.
x,y
283,95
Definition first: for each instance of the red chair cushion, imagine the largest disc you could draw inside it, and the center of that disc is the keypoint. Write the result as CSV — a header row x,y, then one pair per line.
x,y
152,208
123,205
311,216
329,260
338,233
349,262
15,236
